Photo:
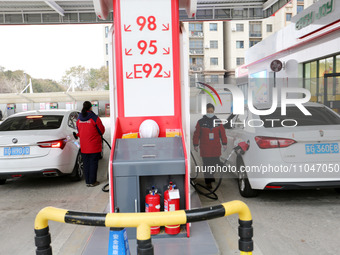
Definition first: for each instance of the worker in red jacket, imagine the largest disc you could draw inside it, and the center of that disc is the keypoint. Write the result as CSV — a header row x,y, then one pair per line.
x,y
90,131
208,136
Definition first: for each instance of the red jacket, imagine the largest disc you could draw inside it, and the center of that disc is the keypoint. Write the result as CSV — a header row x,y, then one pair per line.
x,y
90,130
208,135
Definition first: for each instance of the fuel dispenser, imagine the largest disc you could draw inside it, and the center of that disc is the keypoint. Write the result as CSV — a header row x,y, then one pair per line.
x,y
107,110
147,86
95,107
53,105
10,109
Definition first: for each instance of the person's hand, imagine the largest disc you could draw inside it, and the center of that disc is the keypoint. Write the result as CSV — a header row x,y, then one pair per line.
x,y
196,148
224,147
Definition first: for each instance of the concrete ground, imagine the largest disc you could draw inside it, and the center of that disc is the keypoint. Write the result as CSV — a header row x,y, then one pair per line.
x,y
21,200
285,222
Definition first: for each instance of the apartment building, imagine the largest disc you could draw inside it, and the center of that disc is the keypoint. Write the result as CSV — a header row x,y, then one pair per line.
x,y
240,35
206,51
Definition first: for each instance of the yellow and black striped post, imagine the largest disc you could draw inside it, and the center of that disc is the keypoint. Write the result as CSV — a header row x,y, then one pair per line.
x,y
143,221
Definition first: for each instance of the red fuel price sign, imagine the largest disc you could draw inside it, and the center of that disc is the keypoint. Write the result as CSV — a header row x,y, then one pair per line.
x,y
147,57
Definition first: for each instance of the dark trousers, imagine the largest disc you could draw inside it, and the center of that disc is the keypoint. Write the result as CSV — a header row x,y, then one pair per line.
x,y
90,161
211,161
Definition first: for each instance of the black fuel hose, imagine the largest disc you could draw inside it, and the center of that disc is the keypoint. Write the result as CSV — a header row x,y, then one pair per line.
x,y
198,187
106,187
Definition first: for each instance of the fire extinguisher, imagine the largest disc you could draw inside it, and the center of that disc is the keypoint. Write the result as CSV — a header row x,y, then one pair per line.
x,y
153,204
171,203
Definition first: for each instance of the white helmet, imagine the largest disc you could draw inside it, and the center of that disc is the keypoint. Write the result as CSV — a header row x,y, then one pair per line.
x,y
148,129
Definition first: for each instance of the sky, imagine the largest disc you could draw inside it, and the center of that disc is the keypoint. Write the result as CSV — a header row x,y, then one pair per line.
x,y
47,51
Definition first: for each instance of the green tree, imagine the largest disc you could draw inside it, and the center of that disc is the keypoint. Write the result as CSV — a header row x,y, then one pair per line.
x,y
75,76
16,81
12,81
86,79
46,85
98,79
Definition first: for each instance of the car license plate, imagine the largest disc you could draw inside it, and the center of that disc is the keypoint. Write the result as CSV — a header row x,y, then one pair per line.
x,y
15,151
322,148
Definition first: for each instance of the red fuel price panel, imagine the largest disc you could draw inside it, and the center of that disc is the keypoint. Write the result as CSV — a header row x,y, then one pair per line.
x,y
147,56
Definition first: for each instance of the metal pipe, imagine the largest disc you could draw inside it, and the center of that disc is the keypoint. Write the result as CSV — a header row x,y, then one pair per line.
x,y
143,221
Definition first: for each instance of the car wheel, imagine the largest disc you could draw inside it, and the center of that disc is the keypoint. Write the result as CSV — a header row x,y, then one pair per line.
x,y
2,181
243,182
78,172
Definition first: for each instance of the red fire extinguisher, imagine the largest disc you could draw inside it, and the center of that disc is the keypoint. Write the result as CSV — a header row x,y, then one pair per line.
x,y
171,203
153,204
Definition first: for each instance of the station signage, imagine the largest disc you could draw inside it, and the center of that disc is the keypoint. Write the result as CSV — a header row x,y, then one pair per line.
x,y
314,15
276,65
147,58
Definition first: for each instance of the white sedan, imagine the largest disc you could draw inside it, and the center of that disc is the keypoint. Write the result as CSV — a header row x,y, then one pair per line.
x,y
40,143
289,151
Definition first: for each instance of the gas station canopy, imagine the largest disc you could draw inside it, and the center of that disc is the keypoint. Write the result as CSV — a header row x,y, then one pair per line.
x,y
83,12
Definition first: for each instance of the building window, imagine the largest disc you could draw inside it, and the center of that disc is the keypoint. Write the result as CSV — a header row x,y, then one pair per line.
x,y
269,28
255,29
107,49
107,63
196,64
239,61
213,26
196,61
106,32
239,27
288,16
239,44
213,44
198,27
252,42
196,46
214,61
299,8
313,74
214,79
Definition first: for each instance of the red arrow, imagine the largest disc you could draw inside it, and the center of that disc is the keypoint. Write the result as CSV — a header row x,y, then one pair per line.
x,y
126,28
167,52
127,52
128,76
167,74
166,27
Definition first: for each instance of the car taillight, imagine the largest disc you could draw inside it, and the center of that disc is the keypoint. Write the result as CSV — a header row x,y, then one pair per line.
x,y
34,117
265,142
53,144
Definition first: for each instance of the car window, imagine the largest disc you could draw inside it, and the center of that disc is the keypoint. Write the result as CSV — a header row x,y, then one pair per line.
x,y
38,122
320,116
72,120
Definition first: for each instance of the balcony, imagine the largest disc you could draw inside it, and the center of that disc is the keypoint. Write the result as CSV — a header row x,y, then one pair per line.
x,y
196,51
196,34
196,68
255,34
